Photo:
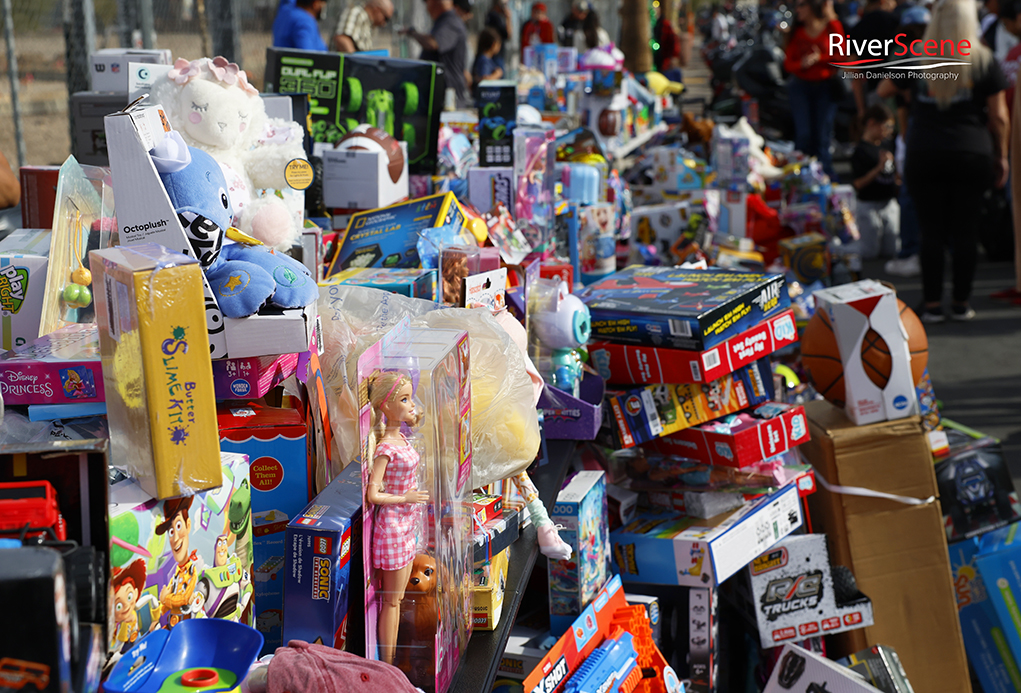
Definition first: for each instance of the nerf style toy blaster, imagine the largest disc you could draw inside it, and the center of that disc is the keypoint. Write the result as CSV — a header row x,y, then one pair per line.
x,y
612,667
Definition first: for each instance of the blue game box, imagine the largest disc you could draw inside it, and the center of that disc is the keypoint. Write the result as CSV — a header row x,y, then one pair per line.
x,y
320,543
681,308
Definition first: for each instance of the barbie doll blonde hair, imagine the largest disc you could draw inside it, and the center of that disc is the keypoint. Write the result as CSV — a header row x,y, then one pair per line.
x,y
954,21
382,387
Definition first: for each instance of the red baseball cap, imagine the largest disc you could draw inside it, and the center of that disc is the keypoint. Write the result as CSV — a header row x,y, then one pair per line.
x,y
304,668
541,6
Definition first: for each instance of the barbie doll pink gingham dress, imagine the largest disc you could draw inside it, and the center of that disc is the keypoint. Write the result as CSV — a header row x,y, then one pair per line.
x,y
394,538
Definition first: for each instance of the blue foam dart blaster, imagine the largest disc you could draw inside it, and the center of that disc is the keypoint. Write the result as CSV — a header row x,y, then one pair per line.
x,y
611,668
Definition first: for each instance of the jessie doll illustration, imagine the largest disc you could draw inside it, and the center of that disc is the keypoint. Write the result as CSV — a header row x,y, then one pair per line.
x,y
128,583
393,490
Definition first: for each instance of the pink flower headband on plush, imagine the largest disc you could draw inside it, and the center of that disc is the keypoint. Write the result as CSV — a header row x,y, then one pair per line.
x,y
219,68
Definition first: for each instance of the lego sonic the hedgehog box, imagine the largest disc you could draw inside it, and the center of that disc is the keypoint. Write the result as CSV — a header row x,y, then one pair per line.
x,y
320,541
681,308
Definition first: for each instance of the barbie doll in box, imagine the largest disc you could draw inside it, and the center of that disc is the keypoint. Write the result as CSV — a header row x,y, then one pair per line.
x,y
393,490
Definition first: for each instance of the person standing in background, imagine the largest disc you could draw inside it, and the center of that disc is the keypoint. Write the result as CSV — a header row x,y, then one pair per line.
x,y
538,29
1001,35
485,66
354,28
573,22
446,44
297,25
667,58
877,23
498,19
719,27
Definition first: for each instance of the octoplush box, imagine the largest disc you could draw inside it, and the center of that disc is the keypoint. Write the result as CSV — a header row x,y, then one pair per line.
x,y
667,548
275,440
742,440
156,370
867,310
24,262
181,558
644,414
682,308
637,364
581,511
488,586
798,668
323,542
414,283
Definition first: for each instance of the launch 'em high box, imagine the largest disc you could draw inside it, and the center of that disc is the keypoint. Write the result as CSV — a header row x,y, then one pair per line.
x,y
681,308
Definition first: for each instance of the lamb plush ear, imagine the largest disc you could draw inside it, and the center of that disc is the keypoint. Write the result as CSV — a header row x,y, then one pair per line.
x,y
171,155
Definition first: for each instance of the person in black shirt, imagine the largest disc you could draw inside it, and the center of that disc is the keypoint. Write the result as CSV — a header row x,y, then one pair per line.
x,y
573,23
497,19
875,180
956,152
446,44
877,22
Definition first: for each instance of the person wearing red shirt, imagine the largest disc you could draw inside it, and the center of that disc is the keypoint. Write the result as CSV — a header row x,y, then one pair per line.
x,y
538,29
810,89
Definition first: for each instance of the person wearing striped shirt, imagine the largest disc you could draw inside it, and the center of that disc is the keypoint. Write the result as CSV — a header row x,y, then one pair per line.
x,y
354,28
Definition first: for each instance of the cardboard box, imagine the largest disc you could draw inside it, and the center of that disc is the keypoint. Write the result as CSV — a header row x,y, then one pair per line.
x,y
355,179
389,237
489,584
282,484
88,109
984,634
38,195
24,262
654,411
800,668
867,310
498,107
881,667
109,66
793,595
666,548
181,558
156,370
323,542
897,552
489,186
634,364
749,438
413,283
403,97
681,308
59,368
580,512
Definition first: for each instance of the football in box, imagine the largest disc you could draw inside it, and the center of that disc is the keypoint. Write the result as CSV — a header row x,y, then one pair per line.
x,y
984,634
667,548
632,364
799,669
644,414
275,441
323,542
682,308
581,513
794,595
182,558
24,259
742,439
357,179
873,349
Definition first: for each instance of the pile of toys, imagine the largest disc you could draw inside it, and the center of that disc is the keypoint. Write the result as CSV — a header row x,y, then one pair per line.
x,y
305,403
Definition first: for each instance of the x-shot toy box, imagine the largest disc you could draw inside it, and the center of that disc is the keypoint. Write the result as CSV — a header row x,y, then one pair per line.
x,y
320,542
282,484
682,308
740,440
999,566
668,548
581,512
633,364
388,237
414,283
403,97
644,414
983,633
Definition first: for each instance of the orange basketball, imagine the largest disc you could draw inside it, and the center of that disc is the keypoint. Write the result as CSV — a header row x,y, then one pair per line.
x,y
821,356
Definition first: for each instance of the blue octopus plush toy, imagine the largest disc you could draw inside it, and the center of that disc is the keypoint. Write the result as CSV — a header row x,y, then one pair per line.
x,y
243,277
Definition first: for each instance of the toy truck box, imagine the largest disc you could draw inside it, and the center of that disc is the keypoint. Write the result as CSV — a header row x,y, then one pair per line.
x,y
24,260
740,440
667,548
631,364
644,414
975,489
275,441
323,542
682,308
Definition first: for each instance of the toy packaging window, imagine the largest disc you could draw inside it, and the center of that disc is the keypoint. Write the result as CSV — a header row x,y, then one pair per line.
x,y
415,422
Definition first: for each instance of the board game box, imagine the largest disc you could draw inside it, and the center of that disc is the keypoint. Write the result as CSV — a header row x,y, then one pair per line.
x,y
682,308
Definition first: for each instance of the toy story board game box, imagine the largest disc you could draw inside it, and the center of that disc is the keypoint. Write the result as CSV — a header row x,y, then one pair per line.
x,y
414,395
411,282
322,542
581,512
180,558
388,237
644,414
682,308
275,441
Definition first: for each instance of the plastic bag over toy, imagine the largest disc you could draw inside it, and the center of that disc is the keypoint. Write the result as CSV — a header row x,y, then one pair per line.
x,y
415,423
505,431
